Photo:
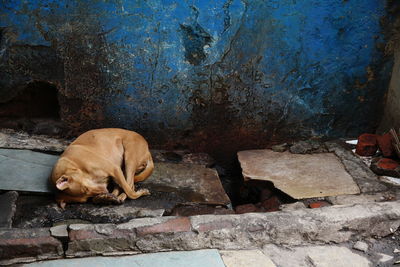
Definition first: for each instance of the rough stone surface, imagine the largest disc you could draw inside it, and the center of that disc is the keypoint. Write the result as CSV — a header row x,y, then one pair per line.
x,y
7,208
366,180
42,211
28,244
299,176
22,140
191,210
307,147
312,256
332,224
367,145
361,246
359,199
245,258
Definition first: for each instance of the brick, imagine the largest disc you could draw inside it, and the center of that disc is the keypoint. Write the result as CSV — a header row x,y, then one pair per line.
x,y
24,243
367,145
271,204
318,204
246,208
385,144
388,164
181,224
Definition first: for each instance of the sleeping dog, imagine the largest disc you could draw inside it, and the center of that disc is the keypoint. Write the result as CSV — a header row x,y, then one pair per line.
x,y
84,169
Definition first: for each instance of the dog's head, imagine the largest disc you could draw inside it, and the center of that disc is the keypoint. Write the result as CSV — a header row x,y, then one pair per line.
x,y
77,184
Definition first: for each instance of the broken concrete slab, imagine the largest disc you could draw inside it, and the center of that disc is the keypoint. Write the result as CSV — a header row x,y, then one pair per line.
x,y
245,258
25,170
300,176
7,208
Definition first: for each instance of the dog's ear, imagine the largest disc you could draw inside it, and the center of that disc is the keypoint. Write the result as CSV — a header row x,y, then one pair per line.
x,y
63,182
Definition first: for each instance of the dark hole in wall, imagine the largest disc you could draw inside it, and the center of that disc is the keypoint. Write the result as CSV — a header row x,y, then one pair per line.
x,y
35,109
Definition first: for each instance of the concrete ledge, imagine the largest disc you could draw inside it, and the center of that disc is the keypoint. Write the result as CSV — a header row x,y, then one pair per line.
x,y
325,225
334,224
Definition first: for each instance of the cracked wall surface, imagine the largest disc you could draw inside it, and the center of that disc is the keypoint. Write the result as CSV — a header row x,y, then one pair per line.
x,y
215,76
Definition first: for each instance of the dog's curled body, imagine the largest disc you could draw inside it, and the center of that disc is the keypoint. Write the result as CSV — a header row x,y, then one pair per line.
x,y
87,164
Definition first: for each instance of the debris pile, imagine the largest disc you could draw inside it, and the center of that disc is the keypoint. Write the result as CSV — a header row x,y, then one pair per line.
x,y
383,150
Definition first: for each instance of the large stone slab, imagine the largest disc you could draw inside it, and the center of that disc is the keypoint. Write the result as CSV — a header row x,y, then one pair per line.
x,y
25,170
199,258
300,176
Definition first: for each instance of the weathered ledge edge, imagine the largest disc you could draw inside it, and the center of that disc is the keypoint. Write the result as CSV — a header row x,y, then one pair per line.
x,y
335,224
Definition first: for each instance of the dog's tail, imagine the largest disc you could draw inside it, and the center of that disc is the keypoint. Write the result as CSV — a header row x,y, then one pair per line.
x,y
147,171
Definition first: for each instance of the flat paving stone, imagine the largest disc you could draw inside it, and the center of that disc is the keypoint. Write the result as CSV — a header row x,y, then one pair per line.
x,y
198,258
245,258
300,176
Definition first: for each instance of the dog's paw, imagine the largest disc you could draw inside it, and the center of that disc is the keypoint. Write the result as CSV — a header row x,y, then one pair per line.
x,y
144,192
107,199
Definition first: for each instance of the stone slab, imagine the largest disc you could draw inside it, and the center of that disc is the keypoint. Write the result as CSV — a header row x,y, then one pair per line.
x,y
199,258
300,176
25,170
245,258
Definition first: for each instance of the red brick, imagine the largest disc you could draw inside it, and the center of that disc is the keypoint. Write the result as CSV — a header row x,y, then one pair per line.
x,y
181,224
388,164
83,235
271,204
21,243
385,144
246,208
318,204
367,145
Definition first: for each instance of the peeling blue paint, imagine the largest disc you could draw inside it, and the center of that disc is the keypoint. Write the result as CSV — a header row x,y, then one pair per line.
x,y
274,69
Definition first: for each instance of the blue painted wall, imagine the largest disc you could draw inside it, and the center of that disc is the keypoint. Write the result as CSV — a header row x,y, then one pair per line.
x,y
205,74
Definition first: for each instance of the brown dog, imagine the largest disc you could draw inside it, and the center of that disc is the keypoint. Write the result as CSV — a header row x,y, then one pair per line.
x,y
84,169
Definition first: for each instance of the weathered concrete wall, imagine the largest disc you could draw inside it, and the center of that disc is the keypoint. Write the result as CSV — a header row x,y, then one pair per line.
x,y
391,118
209,75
